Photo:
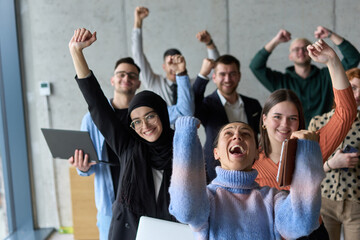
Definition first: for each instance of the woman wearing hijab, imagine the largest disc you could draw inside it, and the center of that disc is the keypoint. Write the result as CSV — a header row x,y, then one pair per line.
x,y
144,147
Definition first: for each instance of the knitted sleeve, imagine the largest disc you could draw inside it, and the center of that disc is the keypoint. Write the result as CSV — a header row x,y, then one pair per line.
x,y
185,101
188,197
334,132
297,214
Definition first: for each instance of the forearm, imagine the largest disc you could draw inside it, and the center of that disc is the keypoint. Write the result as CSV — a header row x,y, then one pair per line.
x,y
80,64
147,76
336,39
185,101
213,53
189,202
270,46
337,74
298,213
334,132
116,135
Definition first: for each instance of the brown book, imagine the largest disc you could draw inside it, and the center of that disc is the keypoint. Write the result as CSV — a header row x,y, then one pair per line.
x,y
287,162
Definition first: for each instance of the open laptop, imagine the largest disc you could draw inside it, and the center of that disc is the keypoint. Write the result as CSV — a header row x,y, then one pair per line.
x,y
62,143
152,228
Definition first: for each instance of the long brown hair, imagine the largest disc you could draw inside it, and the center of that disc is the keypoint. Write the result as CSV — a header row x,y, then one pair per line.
x,y
276,97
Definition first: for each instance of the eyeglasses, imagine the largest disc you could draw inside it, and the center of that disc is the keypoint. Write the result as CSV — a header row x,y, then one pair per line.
x,y
131,75
297,49
150,119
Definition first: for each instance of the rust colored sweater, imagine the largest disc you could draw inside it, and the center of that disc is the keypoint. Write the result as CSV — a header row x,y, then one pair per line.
x,y
331,135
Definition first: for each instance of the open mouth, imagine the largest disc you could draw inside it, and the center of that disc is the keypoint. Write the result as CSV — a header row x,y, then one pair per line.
x,y
237,149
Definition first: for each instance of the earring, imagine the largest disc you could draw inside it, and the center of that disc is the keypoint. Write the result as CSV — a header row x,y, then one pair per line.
x,y
263,127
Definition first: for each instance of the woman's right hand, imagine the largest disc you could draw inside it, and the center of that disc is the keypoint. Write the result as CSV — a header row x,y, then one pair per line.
x,y
306,134
80,162
344,160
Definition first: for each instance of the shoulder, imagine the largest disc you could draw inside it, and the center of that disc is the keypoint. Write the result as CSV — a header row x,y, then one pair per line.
x,y
249,100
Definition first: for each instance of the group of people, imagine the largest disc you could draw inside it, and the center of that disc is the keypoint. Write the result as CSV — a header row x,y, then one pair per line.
x,y
226,189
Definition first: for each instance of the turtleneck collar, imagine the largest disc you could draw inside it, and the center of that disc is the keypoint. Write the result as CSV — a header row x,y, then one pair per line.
x,y
236,181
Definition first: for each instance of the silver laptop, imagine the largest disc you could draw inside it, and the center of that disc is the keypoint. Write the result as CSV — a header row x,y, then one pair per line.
x,y
152,228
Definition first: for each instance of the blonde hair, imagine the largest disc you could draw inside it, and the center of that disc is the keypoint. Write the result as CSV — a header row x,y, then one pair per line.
x,y
305,40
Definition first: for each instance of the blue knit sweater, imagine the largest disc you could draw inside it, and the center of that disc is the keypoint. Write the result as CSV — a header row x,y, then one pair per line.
x,y
233,206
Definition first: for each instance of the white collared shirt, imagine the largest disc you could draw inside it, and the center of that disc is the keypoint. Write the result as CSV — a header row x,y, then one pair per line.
x,y
235,111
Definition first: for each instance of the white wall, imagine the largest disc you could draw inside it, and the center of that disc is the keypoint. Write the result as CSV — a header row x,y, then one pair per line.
x,y
242,27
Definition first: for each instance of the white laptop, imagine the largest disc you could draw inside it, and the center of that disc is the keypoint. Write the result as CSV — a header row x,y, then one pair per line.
x,y
152,228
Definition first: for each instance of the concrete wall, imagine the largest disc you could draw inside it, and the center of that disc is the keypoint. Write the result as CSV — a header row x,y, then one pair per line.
x,y
240,28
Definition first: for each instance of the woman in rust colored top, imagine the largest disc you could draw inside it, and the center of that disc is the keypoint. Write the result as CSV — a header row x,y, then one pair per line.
x,y
282,115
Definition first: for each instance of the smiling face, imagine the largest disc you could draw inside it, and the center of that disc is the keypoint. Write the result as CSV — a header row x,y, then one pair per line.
x,y
226,78
126,79
281,120
167,66
149,130
298,52
236,147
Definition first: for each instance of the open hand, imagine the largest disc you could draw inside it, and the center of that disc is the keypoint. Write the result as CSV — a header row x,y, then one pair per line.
x,y
321,52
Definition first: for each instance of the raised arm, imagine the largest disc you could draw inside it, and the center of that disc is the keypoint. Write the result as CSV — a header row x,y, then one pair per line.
x,y
351,56
321,52
282,36
204,37
103,115
333,133
199,88
297,214
147,76
185,101
81,39
323,32
188,197
271,79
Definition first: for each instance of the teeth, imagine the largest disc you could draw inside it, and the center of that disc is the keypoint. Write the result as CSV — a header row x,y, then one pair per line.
x,y
233,149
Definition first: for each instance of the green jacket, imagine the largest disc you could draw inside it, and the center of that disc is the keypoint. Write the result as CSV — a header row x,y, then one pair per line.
x,y
315,92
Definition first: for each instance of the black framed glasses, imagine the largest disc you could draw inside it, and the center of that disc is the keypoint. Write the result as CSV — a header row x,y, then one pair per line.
x,y
131,75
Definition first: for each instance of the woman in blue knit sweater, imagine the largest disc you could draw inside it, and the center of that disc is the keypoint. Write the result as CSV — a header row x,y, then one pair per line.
x,y
233,206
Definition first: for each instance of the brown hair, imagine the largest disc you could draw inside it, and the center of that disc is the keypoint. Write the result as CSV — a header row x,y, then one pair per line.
x,y
276,97
227,60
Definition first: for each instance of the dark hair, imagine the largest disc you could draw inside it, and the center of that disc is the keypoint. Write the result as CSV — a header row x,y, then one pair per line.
x,y
276,97
128,60
216,140
171,52
227,60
